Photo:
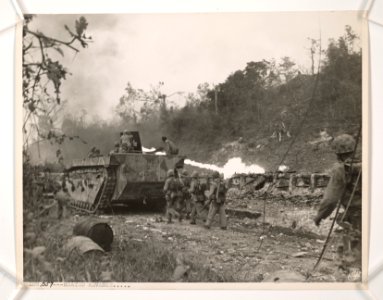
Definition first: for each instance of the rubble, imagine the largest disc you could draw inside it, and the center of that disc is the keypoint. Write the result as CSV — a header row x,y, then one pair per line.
x,y
243,213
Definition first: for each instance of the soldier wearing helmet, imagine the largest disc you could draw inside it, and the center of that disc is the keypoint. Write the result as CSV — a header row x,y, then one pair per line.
x,y
116,148
217,197
345,184
185,204
172,190
170,173
170,147
197,191
126,142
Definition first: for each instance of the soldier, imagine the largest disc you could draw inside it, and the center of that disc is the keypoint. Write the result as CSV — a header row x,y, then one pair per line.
x,y
121,135
170,147
345,182
97,153
217,197
197,191
126,142
116,148
172,190
61,195
92,152
186,199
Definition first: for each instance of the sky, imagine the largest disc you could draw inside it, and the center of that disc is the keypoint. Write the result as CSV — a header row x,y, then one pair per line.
x,y
181,50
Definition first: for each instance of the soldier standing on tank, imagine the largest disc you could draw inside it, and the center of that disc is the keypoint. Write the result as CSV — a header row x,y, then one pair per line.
x,y
92,152
186,198
345,182
217,198
116,148
170,147
126,142
197,191
121,134
171,189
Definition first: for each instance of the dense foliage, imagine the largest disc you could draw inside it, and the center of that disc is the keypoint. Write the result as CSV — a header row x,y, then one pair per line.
x,y
253,103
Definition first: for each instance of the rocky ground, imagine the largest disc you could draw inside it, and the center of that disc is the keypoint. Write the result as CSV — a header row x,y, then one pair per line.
x,y
281,245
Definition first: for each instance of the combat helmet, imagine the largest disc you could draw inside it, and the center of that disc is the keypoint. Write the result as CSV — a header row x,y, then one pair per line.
x,y
170,173
195,174
215,174
344,143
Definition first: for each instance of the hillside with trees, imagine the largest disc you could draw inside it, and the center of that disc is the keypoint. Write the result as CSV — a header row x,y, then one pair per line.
x,y
259,113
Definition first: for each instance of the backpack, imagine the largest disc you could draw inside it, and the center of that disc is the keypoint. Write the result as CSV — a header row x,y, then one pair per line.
x,y
220,193
353,183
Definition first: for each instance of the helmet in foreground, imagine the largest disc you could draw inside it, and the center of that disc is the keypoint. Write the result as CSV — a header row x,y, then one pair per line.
x,y
215,174
170,173
343,143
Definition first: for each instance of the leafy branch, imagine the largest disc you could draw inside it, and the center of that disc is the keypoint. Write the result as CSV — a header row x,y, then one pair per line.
x,y
43,76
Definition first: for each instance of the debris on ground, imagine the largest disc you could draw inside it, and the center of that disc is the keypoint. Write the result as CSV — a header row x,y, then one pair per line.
x,y
240,213
82,244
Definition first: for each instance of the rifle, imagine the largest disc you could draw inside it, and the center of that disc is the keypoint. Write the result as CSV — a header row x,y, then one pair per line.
x,y
207,204
216,196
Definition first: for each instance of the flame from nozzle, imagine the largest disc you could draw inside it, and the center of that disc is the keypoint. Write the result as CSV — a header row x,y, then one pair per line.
x,y
283,168
145,150
234,165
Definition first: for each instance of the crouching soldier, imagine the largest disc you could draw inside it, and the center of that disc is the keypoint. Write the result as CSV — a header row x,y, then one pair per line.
x,y
217,197
197,191
345,183
172,189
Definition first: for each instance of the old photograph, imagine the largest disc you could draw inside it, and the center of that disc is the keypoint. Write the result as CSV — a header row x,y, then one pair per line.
x,y
193,148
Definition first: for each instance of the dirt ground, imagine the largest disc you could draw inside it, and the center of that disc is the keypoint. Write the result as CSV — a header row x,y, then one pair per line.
x,y
285,241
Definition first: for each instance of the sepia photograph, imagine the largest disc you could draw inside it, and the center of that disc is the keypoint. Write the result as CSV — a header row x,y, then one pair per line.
x,y
193,148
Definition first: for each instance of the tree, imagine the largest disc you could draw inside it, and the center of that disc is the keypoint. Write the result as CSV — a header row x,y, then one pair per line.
x,y
314,44
288,68
136,104
341,79
200,97
42,79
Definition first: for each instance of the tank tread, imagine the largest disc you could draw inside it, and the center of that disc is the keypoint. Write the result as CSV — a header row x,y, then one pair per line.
x,y
108,189
103,199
